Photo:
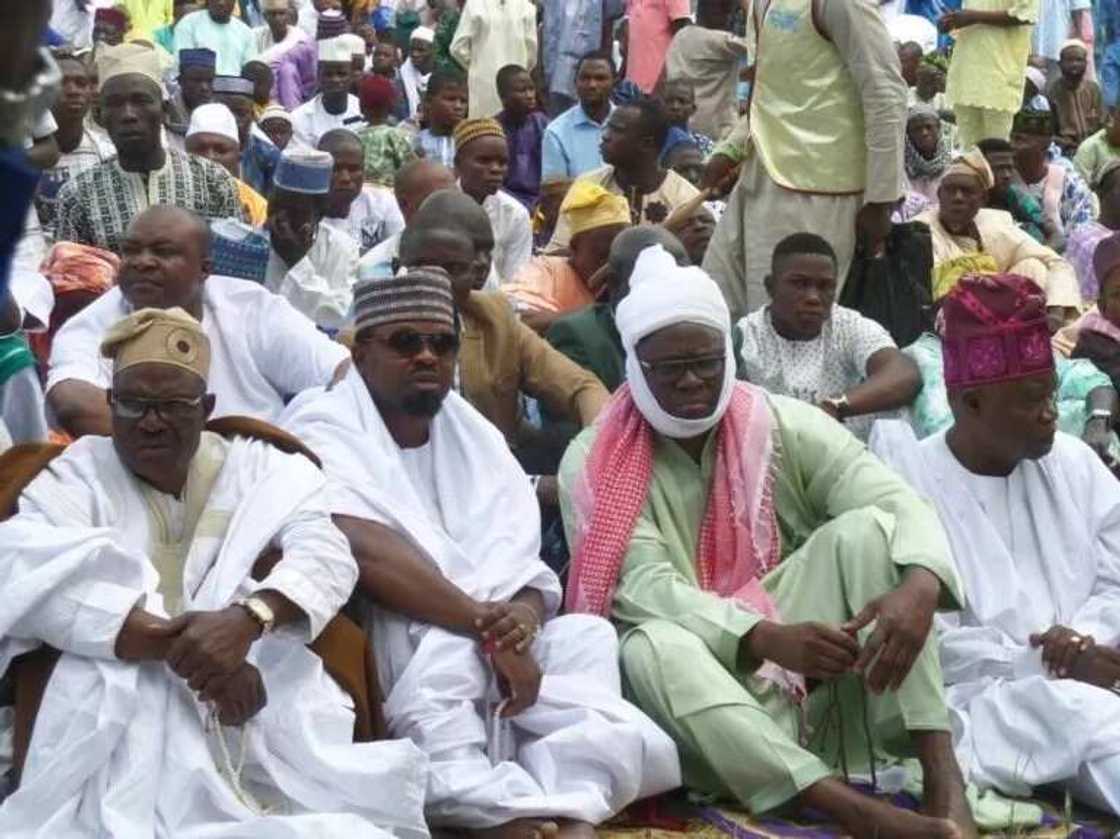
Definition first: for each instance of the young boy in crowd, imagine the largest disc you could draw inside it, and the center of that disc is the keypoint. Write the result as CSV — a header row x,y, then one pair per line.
x,y
679,99
260,74
709,56
445,106
386,148
1099,149
1075,100
1007,195
524,125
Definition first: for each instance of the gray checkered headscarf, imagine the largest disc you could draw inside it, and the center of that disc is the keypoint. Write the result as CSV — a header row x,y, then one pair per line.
x,y
422,293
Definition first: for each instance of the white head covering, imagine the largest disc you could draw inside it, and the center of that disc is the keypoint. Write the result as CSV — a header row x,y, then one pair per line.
x,y
663,294
213,118
356,43
127,59
1037,77
275,112
334,49
422,33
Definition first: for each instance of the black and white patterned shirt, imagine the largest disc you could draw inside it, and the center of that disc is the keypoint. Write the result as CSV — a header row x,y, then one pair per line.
x,y
96,206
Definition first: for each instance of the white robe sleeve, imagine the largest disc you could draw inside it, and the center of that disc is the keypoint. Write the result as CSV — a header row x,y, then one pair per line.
x,y
290,352
1099,616
317,572
518,245
67,586
971,653
75,352
324,297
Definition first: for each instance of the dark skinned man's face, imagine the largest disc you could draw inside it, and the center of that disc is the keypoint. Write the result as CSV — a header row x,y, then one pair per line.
x,y
163,263
802,291
408,366
132,111
220,10
683,365
158,414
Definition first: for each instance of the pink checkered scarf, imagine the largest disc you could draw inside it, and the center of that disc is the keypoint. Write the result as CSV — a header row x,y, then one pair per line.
x,y
739,537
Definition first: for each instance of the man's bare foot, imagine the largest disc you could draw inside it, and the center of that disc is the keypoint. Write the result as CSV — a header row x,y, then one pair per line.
x,y
571,829
519,829
864,816
943,795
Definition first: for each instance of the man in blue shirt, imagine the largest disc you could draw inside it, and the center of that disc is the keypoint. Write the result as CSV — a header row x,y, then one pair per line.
x,y
569,31
571,141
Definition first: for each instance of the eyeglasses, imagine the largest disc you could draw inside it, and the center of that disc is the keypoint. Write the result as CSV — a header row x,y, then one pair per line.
x,y
670,371
409,344
168,410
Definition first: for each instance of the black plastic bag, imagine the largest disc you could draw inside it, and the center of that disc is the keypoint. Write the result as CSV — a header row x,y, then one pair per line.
x,y
894,289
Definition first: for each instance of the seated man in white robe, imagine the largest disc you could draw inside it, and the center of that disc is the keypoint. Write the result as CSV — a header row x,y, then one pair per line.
x,y
184,701
264,351
520,711
1033,518
311,264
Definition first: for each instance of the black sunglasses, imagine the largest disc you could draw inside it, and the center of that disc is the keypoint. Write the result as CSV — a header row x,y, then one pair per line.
x,y
410,344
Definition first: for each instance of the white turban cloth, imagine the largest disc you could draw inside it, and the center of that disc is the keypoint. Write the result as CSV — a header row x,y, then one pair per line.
x,y
663,294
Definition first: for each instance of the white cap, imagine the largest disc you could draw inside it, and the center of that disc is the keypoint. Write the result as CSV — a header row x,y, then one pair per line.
x,y
213,118
334,50
422,33
275,111
356,43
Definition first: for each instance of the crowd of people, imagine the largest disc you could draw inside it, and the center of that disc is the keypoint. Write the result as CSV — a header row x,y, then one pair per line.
x,y
481,416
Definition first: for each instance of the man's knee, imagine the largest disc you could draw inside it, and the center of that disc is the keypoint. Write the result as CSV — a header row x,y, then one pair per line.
x,y
656,643
863,534
588,631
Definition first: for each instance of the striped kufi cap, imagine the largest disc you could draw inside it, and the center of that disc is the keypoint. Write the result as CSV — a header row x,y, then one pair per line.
x,y
472,129
422,293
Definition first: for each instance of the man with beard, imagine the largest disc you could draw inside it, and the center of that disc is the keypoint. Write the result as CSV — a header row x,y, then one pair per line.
x,y
465,623
1033,517
215,28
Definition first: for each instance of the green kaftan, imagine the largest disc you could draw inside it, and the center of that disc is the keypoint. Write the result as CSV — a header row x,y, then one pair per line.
x,y
849,527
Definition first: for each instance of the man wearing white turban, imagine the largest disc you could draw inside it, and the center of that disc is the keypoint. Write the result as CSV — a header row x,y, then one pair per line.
x,y
745,543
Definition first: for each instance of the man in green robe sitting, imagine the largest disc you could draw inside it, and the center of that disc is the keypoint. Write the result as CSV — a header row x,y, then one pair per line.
x,y
775,582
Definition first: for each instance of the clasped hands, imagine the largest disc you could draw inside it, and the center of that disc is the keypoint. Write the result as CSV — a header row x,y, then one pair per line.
x,y
506,631
1069,655
902,617
207,650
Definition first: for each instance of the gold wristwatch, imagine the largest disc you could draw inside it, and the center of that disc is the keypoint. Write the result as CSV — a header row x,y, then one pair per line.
x,y
260,611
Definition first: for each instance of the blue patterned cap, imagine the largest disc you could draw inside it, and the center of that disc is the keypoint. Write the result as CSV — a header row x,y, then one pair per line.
x,y
304,171
201,57
233,85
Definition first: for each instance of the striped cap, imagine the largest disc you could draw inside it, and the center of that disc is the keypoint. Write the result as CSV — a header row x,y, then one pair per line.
x,y
471,129
414,294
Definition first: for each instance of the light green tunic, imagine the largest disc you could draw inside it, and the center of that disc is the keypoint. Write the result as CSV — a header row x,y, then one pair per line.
x,y
849,526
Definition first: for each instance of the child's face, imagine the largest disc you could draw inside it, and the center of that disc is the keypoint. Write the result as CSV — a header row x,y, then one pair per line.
x,y
520,97
931,81
1073,64
680,105
447,108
